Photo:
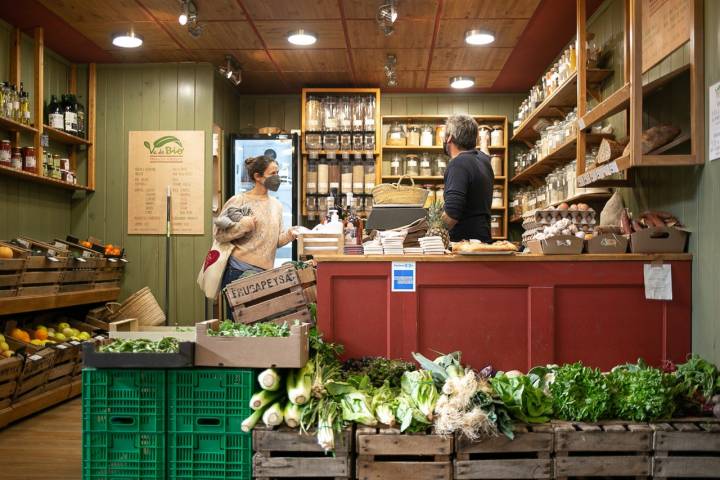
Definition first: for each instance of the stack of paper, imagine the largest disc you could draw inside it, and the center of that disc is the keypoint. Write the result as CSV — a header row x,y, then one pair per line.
x,y
413,251
393,245
354,249
373,247
432,245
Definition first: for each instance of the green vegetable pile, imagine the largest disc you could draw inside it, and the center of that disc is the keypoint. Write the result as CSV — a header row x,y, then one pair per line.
x,y
166,345
378,369
699,383
580,393
524,395
262,329
641,393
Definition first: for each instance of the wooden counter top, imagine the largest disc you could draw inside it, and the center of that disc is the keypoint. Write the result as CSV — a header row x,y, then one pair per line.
x,y
628,257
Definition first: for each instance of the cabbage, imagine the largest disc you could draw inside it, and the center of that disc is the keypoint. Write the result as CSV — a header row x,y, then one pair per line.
x,y
420,387
355,408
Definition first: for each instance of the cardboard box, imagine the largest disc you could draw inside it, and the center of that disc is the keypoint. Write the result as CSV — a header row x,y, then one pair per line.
x,y
252,352
658,240
558,245
608,243
131,329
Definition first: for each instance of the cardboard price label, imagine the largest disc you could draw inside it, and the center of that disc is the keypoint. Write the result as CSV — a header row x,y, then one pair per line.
x,y
61,347
74,342
35,358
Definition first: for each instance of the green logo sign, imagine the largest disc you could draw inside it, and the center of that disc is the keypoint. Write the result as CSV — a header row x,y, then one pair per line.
x,y
167,145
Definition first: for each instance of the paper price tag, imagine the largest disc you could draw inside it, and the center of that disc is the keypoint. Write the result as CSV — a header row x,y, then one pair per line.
x,y
99,337
74,342
658,281
61,347
35,358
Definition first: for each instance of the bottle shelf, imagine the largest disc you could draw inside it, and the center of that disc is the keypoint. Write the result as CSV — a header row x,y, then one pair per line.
x,y
31,177
64,137
13,126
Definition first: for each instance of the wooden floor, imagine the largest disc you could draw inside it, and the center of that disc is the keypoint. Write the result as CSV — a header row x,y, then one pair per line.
x,y
45,446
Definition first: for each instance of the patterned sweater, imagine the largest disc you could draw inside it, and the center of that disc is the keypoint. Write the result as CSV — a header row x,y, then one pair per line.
x,y
258,237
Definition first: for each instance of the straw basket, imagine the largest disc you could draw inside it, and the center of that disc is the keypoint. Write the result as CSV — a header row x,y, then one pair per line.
x,y
397,194
141,305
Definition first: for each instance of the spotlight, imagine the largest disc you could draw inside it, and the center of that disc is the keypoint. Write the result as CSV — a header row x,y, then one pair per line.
x,y
188,11
231,70
387,14
479,37
127,40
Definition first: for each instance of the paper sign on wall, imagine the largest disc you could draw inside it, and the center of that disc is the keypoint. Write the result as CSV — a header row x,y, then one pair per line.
x,y
658,281
714,122
665,27
403,277
158,159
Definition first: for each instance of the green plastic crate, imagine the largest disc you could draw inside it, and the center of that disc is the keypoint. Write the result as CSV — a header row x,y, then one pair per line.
x,y
123,456
209,456
124,401
209,400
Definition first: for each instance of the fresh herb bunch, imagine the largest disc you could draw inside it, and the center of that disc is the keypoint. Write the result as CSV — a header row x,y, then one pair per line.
x,y
263,329
580,393
523,396
379,370
698,381
166,345
327,351
641,393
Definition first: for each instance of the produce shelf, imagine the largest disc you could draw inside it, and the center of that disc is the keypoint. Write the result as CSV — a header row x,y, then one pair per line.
x,y
11,305
564,97
32,177
13,126
62,137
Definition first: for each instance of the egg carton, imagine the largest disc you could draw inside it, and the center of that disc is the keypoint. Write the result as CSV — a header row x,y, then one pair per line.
x,y
578,217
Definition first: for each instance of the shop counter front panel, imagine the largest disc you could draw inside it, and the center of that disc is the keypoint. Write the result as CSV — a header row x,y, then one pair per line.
x,y
512,315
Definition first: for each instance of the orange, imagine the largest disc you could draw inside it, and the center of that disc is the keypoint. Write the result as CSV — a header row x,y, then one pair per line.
x,y
41,334
6,252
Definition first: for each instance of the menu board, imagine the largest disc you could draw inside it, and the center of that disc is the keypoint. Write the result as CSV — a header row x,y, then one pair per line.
x,y
665,27
158,160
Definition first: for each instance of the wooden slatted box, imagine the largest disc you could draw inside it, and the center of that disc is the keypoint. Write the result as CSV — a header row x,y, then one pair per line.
x,y
33,377
10,369
528,455
11,270
278,295
44,268
285,453
384,453
687,448
605,449
110,272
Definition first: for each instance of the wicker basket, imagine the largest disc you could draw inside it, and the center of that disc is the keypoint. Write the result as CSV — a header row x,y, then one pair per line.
x,y
141,305
397,194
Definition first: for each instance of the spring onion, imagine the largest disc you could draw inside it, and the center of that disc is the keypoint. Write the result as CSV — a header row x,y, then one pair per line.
x,y
269,380
273,416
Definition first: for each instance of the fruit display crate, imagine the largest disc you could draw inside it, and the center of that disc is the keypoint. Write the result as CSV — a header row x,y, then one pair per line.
x,y
385,453
687,448
200,456
285,453
10,369
607,449
34,375
11,270
528,455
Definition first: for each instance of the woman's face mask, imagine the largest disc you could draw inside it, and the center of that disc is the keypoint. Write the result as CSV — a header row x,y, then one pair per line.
x,y
273,182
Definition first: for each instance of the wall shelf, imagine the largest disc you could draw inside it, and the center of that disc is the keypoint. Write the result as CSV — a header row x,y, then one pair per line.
x,y
434,148
13,126
12,305
340,153
64,137
32,177
585,198
414,178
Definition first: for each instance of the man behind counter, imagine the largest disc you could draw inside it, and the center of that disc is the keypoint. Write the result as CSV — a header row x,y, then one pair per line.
x,y
468,182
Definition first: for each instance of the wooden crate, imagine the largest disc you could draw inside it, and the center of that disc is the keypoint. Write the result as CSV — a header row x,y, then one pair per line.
x,y
606,449
311,244
131,329
285,453
11,270
687,448
10,369
33,377
384,453
109,273
42,275
528,455
275,295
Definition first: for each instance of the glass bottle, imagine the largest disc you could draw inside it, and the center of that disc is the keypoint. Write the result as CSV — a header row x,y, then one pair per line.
x,y
6,153
358,176
440,165
25,108
396,165
16,159
369,114
80,118
15,106
369,166
70,115
358,115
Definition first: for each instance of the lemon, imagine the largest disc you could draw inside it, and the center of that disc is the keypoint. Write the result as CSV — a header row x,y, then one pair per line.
x,y
4,346
68,332
7,353
2,338
36,342
84,336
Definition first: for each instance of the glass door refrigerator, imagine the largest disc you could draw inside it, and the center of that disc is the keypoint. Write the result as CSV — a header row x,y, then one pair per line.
x,y
285,150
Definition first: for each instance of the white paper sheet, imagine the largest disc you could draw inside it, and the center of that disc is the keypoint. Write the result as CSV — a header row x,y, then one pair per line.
x,y
658,282
714,121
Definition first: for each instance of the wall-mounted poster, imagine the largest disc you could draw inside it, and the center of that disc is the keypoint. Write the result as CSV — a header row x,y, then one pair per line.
x,y
158,159
665,27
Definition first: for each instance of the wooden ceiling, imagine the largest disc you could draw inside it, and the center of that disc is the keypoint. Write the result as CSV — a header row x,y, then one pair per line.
x,y
350,51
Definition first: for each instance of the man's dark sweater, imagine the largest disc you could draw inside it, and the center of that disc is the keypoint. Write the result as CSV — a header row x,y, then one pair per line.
x,y
468,196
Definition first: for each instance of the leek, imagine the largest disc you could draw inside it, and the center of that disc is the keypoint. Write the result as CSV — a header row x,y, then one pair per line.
x,y
269,380
250,422
299,390
292,415
263,398
273,416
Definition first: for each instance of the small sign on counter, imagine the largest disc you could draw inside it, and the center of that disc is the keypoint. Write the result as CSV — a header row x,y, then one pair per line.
x,y
403,277
658,281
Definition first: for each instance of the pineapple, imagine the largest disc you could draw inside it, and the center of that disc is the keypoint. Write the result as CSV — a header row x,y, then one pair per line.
x,y
437,228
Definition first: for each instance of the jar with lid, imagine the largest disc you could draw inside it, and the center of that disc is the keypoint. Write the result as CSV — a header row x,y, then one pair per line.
x,y
413,136
311,180
484,139
496,162
313,141
311,204
369,166
496,226
440,165
313,114
334,175
358,176
358,141
497,197
16,161
6,153
369,114
29,161
396,136
331,141
497,138
396,165
425,165
346,174
440,134
552,187
345,114
323,183
570,179
369,141
358,114
412,165
330,114
426,136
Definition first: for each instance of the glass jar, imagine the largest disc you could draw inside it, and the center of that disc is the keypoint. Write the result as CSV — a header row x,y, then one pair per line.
x,y
345,114
497,197
413,136
358,176
396,165
369,166
358,115
425,165
440,165
369,114
345,141
427,135
29,160
369,141
6,153
313,114
346,175
311,180
323,183
330,114
358,141
313,141
312,208
484,139
334,175
496,230
440,134
331,141
496,162
396,136
412,165
16,161
496,137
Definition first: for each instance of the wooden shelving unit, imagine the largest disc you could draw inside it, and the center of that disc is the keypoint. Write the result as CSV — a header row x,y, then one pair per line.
x,y
39,129
13,305
585,198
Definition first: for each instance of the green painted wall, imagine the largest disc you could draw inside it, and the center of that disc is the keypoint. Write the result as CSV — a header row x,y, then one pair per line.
x,y
148,97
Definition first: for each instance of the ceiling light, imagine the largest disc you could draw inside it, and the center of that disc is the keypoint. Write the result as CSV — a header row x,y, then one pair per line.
x,y
479,37
302,37
460,82
127,40
195,29
231,70
387,14
182,19
188,11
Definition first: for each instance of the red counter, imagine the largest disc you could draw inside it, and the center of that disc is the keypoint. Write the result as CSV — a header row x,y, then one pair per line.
x,y
511,312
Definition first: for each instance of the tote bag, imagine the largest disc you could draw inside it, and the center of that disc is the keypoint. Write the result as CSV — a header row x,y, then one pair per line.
x,y
213,268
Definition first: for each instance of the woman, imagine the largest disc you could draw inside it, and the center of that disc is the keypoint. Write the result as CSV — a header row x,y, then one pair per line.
x,y
258,234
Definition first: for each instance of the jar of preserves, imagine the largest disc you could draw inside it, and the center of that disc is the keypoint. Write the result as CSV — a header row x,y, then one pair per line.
x,y
413,136
440,165
425,165
6,153
496,137
396,165
412,165
496,162
496,230
369,166
426,136
484,139
396,136
440,134
16,161
29,160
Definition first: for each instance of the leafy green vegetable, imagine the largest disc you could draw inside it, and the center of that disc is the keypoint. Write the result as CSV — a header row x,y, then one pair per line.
x,y
580,393
410,417
441,368
641,393
419,386
524,400
262,329
699,380
379,370
384,404
166,345
356,408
